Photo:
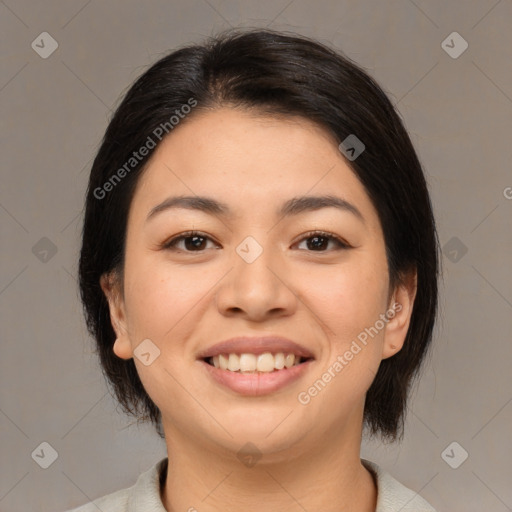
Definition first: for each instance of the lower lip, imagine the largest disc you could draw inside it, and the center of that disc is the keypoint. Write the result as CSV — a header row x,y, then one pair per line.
x,y
256,384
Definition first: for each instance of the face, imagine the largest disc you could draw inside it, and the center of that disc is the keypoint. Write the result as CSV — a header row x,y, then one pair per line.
x,y
256,265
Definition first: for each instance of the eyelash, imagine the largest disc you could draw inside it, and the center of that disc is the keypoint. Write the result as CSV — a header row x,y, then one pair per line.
x,y
169,245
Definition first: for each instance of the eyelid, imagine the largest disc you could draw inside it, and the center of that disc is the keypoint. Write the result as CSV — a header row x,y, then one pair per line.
x,y
168,244
343,244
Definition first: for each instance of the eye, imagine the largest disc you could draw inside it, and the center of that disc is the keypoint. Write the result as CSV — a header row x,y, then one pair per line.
x,y
318,241
193,241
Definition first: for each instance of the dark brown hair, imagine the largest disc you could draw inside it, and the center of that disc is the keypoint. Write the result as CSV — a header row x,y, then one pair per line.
x,y
279,74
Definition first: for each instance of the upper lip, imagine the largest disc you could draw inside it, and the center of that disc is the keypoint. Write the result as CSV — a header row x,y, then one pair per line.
x,y
256,345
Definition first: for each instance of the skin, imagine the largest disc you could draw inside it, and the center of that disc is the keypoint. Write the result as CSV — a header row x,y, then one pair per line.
x,y
185,301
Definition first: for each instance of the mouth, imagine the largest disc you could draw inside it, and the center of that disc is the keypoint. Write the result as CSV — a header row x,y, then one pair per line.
x,y
250,364
252,383
255,366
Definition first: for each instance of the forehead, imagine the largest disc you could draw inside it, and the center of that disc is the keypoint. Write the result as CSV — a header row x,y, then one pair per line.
x,y
248,160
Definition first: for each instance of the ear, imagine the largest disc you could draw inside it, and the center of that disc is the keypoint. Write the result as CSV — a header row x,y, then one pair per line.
x,y
110,284
399,312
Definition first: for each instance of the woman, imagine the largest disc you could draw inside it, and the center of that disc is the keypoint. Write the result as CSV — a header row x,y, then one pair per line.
x,y
259,269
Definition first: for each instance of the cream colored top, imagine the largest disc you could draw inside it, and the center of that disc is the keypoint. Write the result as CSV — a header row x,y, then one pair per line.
x,y
144,495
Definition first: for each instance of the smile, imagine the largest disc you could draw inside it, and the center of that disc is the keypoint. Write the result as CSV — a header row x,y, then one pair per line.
x,y
247,379
252,363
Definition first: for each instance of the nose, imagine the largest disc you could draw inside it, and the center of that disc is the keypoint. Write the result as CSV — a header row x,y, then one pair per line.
x,y
258,290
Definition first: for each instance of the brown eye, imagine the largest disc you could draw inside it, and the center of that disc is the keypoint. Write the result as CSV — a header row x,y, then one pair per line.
x,y
319,241
195,242
190,242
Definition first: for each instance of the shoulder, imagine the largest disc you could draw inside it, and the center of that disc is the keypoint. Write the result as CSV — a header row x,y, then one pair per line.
x,y
392,496
143,496
117,501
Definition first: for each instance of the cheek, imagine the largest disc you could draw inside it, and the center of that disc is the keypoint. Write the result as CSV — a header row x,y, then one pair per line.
x,y
162,301
348,304
159,295
348,299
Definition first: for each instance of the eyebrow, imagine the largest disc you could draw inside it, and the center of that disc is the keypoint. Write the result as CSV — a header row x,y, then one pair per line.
x,y
293,206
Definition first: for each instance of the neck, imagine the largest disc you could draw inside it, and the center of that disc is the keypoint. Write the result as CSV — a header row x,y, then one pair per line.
x,y
328,477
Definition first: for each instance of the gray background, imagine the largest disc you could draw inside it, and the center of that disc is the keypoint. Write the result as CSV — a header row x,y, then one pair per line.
x,y
54,112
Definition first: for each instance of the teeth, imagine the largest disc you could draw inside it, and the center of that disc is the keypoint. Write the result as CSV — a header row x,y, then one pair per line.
x,y
223,361
289,360
233,363
265,362
247,362
279,361
250,363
